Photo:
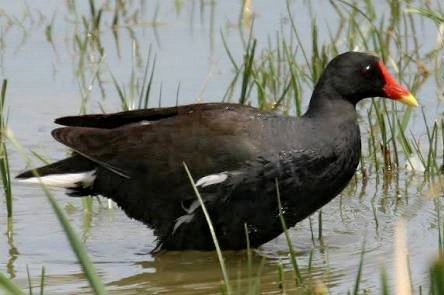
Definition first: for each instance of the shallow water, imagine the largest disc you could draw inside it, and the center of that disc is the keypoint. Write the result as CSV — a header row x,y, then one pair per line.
x,y
186,39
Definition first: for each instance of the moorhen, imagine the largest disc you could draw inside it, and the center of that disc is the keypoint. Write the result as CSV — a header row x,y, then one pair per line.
x,y
235,152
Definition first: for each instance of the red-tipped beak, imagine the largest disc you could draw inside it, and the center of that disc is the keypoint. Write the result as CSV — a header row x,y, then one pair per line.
x,y
394,90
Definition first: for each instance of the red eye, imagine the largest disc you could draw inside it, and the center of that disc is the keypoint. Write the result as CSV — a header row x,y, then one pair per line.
x,y
367,71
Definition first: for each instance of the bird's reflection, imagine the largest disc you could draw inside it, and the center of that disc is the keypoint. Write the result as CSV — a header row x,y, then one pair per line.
x,y
200,273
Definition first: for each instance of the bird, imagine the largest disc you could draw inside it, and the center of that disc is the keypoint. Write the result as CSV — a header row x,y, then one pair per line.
x,y
240,157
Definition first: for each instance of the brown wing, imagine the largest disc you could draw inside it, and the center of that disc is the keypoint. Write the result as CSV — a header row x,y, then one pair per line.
x,y
208,137
114,120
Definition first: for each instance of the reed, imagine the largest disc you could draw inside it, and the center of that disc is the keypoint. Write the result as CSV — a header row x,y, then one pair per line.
x,y
4,160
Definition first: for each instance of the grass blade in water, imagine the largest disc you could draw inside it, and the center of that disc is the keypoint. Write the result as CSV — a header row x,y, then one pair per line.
x,y
77,246
437,276
294,263
4,160
213,233
42,281
359,274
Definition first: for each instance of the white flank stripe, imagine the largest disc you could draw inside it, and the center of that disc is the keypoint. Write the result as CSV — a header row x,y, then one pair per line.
x,y
69,180
212,179
194,206
145,122
181,220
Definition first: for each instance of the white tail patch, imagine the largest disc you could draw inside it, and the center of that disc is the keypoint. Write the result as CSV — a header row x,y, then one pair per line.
x,y
68,180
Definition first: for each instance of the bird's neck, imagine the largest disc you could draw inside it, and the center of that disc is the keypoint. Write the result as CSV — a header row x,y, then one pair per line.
x,y
326,102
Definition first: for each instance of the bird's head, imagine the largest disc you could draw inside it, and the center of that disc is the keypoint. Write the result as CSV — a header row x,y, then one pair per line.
x,y
357,75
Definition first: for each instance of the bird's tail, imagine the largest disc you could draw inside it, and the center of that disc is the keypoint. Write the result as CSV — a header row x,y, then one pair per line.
x,y
73,172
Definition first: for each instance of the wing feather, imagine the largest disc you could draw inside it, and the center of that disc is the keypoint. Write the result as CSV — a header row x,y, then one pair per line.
x,y
115,120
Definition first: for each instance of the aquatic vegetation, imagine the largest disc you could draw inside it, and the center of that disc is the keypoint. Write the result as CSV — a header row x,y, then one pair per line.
x,y
114,53
4,159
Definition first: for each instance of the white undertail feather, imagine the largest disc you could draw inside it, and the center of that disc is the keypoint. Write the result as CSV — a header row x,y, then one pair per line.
x,y
68,180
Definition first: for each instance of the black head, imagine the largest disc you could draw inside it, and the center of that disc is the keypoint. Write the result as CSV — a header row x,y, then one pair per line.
x,y
357,75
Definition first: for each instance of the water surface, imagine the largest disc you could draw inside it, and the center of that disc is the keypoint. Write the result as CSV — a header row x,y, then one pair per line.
x,y
46,81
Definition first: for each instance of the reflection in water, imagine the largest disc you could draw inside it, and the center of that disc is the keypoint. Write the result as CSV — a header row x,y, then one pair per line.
x,y
87,218
13,252
199,273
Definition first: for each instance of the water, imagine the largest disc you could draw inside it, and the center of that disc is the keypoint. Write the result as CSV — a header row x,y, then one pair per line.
x,y
44,84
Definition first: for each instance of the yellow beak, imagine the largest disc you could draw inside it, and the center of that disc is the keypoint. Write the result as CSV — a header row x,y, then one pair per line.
x,y
408,99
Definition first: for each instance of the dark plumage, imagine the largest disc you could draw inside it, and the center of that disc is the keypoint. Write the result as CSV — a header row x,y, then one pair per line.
x,y
235,153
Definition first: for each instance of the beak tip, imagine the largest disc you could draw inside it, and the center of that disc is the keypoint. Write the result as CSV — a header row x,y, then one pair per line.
x,y
409,100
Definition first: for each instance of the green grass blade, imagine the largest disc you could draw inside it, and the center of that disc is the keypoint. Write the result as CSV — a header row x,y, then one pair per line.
x,y
249,261
384,282
359,274
248,72
212,231
121,93
229,54
4,160
434,15
77,246
437,277
29,280
298,277
42,281
6,177
9,286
